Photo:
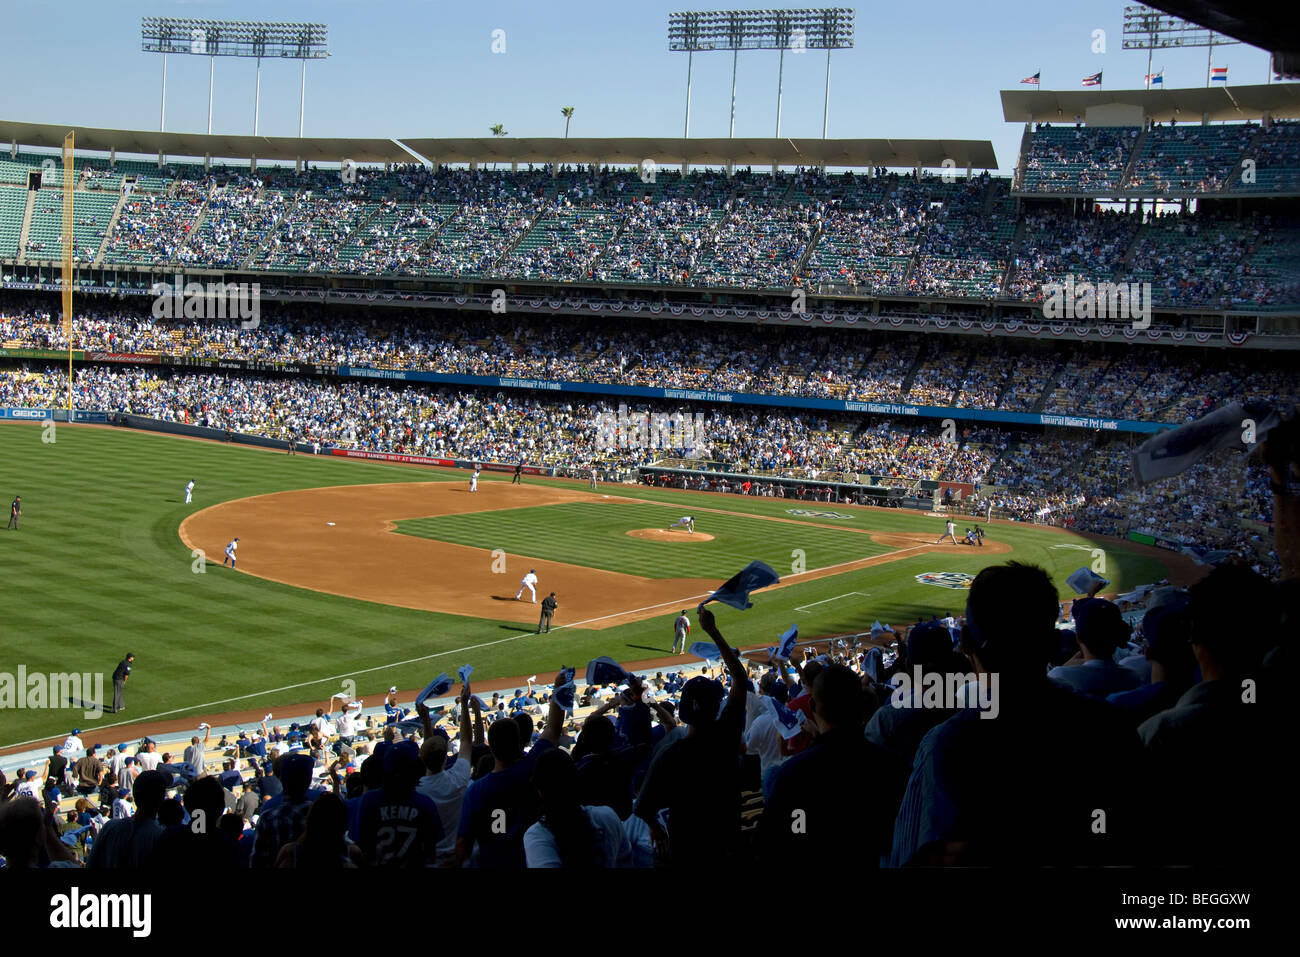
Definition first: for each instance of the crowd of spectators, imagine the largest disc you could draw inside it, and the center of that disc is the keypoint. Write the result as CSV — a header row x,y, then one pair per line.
x,y
846,364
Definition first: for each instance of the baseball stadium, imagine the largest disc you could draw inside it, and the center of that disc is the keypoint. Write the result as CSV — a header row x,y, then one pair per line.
x,y
293,427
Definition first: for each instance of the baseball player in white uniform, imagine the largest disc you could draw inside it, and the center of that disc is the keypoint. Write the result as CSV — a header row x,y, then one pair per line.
x,y
473,480
591,471
529,582
681,628
950,533
189,492
230,553
687,520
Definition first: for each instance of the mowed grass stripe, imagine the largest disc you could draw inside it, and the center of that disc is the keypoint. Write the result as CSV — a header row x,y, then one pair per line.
x,y
594,535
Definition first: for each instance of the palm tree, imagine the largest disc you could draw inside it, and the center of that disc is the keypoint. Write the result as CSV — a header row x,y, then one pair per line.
x,y
498,130
568,115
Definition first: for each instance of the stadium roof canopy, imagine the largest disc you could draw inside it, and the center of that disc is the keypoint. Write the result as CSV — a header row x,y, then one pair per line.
x,y
1261,23
1280,100
201,144
976,154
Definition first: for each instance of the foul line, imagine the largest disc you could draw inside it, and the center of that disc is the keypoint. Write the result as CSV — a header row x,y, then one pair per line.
x,y
814,604
440,654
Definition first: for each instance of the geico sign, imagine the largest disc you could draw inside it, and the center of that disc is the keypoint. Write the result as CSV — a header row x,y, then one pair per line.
x,y
28,414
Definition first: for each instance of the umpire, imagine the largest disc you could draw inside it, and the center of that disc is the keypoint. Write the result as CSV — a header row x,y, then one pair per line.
x,y
15,512
119,682
548,609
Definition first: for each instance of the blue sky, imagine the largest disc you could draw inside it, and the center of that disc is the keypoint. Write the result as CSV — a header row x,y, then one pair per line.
x,y
407,68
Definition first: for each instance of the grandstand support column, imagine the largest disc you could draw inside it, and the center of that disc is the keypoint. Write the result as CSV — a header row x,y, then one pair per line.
x,y
690,54
212,69
302,98
735,58
162,111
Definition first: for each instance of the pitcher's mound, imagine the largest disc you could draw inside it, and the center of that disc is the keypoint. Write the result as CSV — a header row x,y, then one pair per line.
x,y
670,535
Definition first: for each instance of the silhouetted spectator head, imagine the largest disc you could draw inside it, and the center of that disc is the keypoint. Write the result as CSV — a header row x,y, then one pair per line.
x,y
597,736
1099,626
170,813
1011,619
837,699
295,775
322,842
149,792
21,831
700,701
1167,631
503,739
525,723
929,645
232,826
1235,616
206,795
402,769
372,771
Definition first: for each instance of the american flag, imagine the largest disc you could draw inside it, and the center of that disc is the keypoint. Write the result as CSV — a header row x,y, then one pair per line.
x,y
1094,80
1033,79
1219,74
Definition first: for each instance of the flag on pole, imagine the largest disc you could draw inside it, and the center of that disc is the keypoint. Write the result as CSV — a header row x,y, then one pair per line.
x,y
1033,80
1219,74
1156,79
1094,80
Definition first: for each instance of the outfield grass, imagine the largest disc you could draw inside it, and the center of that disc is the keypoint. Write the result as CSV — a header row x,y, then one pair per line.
x,y
98,569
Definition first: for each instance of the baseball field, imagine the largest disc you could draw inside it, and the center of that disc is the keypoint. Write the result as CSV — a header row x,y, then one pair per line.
x,y
382,575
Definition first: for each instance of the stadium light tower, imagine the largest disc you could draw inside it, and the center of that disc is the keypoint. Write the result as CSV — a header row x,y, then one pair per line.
x,y
1152,30
242,38
826,29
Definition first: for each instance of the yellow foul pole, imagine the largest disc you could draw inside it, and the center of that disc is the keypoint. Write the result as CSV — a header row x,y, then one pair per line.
x,y
69,186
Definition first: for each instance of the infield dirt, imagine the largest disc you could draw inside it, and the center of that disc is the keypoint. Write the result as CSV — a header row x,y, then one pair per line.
x,y
343,540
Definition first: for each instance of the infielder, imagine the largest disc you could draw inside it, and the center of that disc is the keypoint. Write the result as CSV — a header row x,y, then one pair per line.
x,y
230,553
681,628
950,533
529,582
189,492
473,480
687,520
592,473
